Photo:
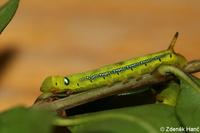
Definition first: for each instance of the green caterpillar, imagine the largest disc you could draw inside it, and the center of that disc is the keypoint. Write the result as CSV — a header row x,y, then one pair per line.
x,y
111,74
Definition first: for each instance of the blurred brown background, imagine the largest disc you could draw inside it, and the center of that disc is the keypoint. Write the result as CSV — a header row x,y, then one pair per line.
x,y
63,37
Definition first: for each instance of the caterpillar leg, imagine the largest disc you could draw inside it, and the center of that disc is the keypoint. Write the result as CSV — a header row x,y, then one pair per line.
x,y
50,97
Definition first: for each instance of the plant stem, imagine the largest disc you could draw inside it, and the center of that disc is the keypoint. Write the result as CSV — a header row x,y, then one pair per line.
x,y
164,69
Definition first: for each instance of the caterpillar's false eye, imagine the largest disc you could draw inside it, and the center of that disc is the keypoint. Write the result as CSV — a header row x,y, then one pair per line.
x,y
66,80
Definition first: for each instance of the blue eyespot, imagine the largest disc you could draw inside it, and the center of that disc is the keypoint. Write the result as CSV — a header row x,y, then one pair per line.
x,y
66,80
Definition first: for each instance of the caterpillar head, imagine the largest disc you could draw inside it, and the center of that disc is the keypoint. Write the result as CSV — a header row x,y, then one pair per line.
x,y
55,84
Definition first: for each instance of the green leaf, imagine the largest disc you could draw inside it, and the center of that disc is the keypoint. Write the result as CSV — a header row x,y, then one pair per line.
x,y
22,120
141,119
7,11
188,105
124,123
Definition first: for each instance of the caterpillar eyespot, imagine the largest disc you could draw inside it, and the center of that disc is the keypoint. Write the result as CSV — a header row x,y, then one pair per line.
x,y
117,72
66,80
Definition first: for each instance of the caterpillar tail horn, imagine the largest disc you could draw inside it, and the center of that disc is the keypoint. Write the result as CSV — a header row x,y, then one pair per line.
x,y
172,44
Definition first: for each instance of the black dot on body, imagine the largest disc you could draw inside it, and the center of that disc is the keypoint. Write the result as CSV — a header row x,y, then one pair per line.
x,y
77,84
145,64
170,55
159,59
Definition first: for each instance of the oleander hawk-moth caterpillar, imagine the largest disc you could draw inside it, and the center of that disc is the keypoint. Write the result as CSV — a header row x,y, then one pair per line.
x,y
113,73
